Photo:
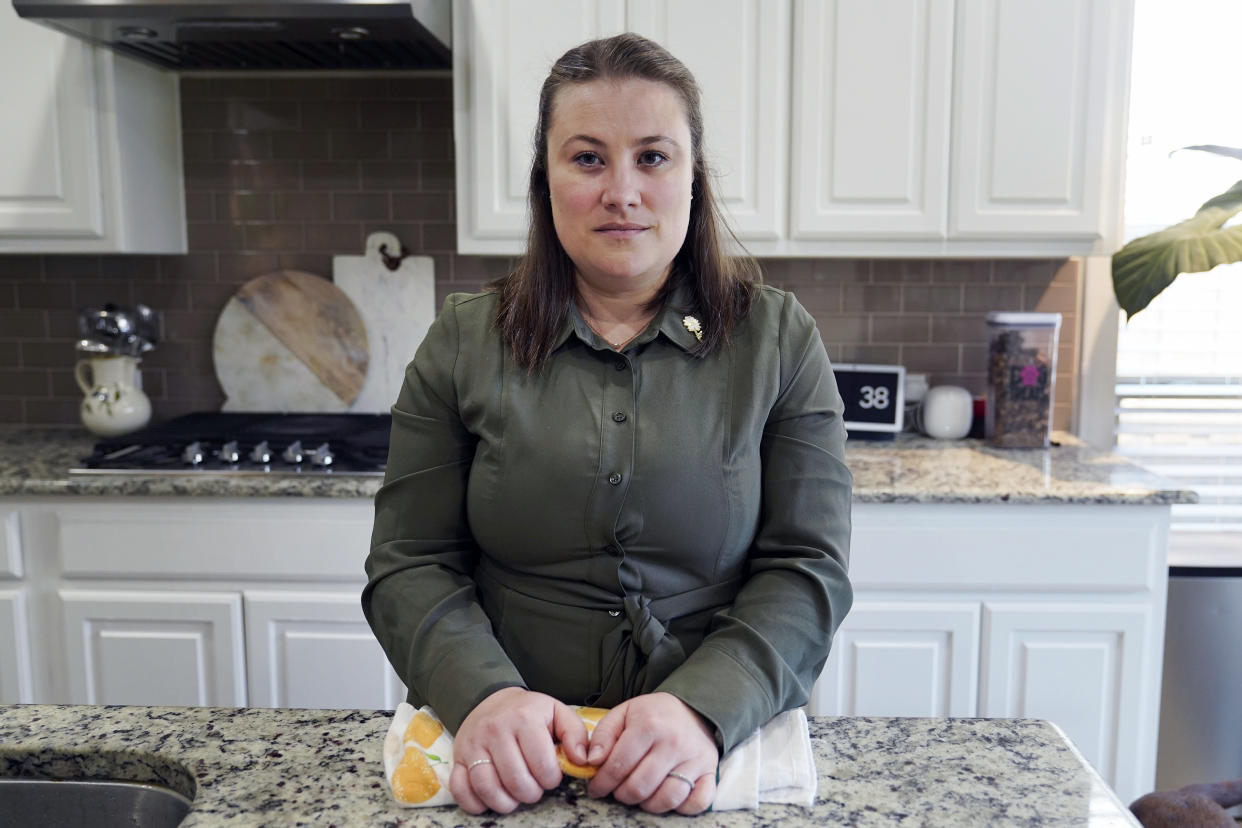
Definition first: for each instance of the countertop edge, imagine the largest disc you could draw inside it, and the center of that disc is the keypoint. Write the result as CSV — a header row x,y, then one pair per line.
x,y
34,462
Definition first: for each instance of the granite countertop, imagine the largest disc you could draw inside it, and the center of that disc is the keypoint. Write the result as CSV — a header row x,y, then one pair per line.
x,y
260,767
909,469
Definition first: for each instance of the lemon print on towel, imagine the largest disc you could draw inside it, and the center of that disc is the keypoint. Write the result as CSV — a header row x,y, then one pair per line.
x,y
414,781
418,758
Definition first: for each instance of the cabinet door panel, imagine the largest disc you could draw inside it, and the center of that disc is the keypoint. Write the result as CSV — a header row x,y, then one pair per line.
x,y
16,679
502,53
153,647
902,659
1079,666
315,649
11,564
205,538
1032,118
871,119
738,51
50,167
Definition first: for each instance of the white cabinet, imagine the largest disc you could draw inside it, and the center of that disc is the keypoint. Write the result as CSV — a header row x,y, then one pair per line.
x,y
742,67
839,128
92,148
1080,665
1037,121
501,54
739,51
156,647
16,677
201,601
870,133
16,685
902,658
315,649
1044,611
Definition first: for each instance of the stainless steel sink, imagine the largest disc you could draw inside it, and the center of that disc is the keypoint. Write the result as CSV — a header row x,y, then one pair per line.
x,y
88,803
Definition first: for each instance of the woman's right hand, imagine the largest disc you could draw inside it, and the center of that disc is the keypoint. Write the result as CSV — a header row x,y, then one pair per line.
x,y
516,729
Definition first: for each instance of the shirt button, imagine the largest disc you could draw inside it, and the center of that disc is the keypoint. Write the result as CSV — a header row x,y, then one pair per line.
x,y
614,613
612,550
619,417
614,478
619,365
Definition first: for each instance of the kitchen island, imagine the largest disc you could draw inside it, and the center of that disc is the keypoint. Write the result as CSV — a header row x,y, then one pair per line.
x,y
248,767
988,582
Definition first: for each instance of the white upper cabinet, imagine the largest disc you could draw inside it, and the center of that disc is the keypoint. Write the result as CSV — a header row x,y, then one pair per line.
x,y
742,68
1038,135
871,119
738,50
91,159
839,127
501,54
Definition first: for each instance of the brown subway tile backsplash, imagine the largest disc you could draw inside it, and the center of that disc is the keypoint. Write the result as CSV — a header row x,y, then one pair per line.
x,y
43,295
243,206
302,146
931,359
984,297
248,145
358,145
351,206
392,176
331,175
23,324
931,298
912,328
287,172
302,206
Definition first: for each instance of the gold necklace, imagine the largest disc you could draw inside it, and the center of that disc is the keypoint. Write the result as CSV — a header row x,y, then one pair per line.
x,y
616,345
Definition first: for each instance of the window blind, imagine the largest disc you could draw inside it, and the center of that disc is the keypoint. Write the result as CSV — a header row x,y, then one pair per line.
x,y
1179,399
1179,361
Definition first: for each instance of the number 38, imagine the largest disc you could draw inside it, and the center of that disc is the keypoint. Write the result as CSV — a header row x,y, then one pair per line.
x,y
873,397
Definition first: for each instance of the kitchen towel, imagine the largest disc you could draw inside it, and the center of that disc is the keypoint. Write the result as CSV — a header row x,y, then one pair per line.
x,y
774,764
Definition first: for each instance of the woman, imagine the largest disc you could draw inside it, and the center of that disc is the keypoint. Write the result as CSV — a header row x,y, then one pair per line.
x,y
616,478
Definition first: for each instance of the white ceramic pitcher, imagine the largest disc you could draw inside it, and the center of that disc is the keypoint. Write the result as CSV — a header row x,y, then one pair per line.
x,y
114,403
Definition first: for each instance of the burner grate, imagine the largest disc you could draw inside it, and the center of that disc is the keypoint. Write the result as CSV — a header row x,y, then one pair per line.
x,y
292,444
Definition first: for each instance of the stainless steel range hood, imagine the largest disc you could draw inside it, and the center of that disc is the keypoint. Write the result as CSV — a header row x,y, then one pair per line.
x,y
233,34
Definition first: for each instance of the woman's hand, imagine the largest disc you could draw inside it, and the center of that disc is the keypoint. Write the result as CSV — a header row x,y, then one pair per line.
x,y
644,740
514,729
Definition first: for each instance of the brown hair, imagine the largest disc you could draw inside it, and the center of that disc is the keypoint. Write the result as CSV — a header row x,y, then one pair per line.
x,y
534,298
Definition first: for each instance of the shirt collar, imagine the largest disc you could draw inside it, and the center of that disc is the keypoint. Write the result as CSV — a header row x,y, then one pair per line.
x,y
677,313
670,320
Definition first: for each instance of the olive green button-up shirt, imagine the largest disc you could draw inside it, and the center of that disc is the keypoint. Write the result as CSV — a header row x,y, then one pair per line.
x,y
615,523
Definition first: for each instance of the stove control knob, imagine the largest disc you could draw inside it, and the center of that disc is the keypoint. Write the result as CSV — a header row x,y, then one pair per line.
x,y
322,456
229,452
293,453
193,453
262,453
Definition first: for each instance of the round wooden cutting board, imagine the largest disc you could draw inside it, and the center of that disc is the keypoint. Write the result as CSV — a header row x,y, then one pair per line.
x,y
290,341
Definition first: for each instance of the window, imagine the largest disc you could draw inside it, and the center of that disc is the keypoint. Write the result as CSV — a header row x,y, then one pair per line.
x,y
1179,361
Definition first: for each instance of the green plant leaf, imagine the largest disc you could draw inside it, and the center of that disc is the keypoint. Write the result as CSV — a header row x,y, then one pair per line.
x,y
1149,264
1217,149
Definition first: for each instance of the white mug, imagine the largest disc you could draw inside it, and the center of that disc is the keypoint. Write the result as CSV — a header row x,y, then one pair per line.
x,y
946,412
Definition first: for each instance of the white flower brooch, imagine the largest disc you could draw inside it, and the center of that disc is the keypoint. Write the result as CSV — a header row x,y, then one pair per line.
x,y
693,326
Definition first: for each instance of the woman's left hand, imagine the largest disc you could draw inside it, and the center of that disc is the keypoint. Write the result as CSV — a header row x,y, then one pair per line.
x,y
642,742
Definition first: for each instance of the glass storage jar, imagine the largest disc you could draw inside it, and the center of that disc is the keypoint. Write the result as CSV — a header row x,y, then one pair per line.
x,y
1022,368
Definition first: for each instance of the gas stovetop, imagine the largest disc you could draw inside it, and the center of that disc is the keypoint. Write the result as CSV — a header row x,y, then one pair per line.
x,y
234,444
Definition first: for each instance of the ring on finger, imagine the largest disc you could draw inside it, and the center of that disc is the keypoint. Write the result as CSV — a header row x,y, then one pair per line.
x,y
682,777
476,763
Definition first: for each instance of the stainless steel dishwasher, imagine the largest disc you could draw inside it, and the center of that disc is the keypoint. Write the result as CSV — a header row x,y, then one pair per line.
x,y
1201,702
